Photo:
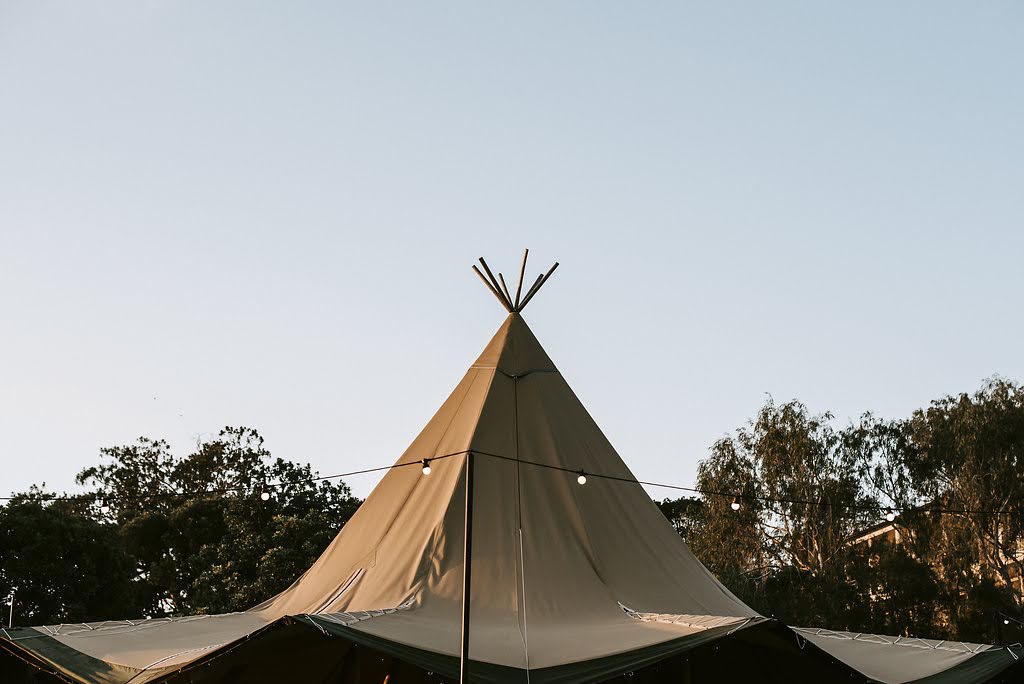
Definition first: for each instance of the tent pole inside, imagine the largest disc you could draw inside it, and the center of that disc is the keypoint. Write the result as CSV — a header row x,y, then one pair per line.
x,y
467,571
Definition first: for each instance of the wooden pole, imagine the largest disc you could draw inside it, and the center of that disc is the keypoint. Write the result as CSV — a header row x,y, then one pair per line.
x,y
522,274
508,304
504,288
491,288
529,293
467,572
540,284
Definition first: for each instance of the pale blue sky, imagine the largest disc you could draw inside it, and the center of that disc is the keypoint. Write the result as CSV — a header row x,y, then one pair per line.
x,y
264,213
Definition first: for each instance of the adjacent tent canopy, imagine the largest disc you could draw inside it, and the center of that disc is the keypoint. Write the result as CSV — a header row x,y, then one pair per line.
x,y
900,660
570,582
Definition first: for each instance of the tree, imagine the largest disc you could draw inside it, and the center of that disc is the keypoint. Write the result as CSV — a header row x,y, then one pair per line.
x,y
966,453
686,515
800,499
201,535
808,489
159,535
62,565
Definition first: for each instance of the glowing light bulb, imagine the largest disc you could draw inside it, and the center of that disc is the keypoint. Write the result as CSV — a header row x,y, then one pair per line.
x,y
265,496
1006,621
891,515
735,505
582,479
426,466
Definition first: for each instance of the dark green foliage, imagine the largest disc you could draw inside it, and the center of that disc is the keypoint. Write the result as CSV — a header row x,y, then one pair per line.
x,y
685,514
64,566
162,549
947,576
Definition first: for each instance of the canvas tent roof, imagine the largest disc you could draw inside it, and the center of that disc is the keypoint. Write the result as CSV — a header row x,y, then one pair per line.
x,y
900,660
570,583
562,573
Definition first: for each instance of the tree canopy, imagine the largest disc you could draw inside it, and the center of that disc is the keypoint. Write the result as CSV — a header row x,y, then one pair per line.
x,y
811,493
156,534
61,565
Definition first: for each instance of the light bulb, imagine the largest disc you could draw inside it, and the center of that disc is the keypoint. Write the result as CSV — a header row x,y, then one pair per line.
x,y
426,466
582,479
735,505
265,496
890,516
1006,621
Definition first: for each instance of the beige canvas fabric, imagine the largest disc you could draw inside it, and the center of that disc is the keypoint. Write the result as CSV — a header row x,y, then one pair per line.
x,y
895,660
152,644
553,560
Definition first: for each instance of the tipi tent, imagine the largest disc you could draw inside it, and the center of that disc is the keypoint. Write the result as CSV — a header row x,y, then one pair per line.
x,y
575,574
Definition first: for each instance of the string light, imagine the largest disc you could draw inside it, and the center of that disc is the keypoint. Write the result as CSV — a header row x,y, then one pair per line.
x,y
735,505
582,478
890,515
265,495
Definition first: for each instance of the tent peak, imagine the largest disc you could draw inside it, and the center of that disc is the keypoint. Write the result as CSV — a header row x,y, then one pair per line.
x,y
500,290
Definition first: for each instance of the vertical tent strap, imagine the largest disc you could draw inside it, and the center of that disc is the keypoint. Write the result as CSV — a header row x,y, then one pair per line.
x,y
467,572
519,510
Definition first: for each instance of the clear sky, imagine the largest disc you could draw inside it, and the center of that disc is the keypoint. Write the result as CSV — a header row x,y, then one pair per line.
x,y
265,213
